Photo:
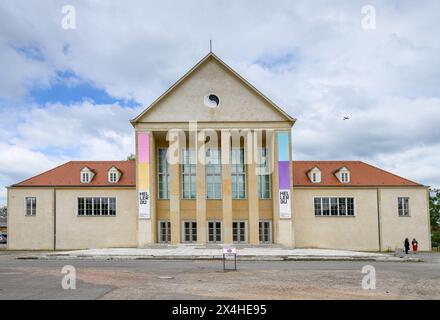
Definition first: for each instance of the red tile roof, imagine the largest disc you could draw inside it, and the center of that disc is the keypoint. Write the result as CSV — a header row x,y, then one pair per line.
x,y
361,174
68,175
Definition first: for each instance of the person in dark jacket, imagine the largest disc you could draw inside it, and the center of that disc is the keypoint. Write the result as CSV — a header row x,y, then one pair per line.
x,y
415,245
406,245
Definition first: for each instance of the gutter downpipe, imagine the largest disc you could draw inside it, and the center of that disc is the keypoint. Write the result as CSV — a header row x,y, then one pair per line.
x,y
54,219
378,219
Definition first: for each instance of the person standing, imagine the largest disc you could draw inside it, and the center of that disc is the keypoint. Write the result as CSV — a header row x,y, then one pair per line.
x,y
406,243
415,245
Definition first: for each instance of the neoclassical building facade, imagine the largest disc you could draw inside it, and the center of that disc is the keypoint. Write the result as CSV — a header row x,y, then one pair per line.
x,y
214,165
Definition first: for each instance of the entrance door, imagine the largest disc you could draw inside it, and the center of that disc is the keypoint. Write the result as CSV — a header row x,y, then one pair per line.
x,y
265,231
239,231
190,231
164,231
214,231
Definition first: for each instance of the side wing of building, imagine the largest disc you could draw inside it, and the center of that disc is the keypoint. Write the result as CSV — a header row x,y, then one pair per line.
x,y
56,210
374,211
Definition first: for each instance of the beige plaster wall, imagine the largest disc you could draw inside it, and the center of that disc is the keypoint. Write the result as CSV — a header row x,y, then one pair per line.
x,y
78,232
237,101
30,232
352,233
394,228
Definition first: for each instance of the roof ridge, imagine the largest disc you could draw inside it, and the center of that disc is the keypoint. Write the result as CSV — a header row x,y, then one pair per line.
x,y
79,161
328,161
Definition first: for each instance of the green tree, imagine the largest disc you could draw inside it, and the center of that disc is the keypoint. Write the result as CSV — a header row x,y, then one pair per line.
x,y
434,208
434,212
131,157
3,211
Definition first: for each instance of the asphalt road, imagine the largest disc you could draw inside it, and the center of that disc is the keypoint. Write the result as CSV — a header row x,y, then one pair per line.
x,y
147,279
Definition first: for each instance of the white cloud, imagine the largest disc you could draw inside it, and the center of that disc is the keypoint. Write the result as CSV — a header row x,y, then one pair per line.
x,y
46,136
18,163
310,57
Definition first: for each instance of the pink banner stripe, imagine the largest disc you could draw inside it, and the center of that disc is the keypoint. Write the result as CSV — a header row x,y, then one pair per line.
x,y
143,147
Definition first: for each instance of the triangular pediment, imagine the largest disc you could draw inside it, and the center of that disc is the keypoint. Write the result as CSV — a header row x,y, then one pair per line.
x,y
189,99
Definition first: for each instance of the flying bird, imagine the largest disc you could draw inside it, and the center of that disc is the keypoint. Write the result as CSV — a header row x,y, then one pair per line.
x,y
346,118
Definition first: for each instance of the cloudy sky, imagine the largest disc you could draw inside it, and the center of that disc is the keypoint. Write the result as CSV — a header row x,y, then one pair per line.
x,y
68,94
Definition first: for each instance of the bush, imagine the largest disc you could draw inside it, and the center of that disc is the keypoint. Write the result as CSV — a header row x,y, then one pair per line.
x,y
435,239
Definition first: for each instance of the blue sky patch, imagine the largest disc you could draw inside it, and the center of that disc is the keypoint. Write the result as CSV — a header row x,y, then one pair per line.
x,y
270,61
69,89
31,52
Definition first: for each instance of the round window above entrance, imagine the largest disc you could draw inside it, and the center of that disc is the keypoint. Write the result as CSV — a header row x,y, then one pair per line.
x,y
211,100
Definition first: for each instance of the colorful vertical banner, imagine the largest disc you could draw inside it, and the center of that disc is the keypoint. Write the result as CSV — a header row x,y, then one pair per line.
x,y
284,194
144,175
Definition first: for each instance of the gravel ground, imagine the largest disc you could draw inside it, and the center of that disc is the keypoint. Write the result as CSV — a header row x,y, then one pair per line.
x,y
34,279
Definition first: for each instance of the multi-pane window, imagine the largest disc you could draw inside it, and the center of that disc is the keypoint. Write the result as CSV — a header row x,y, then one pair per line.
x,y
238,172
239,231
403,206
325,206
342,209
265,228
263,174
318,207
332,206
89,206
31,206
190,231
214,231
113,177
163,174
188,174
96,206
164,231
344,177
85,177
213,174
112,206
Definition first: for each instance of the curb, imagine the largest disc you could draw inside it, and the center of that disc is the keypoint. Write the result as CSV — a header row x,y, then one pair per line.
x,y
218,257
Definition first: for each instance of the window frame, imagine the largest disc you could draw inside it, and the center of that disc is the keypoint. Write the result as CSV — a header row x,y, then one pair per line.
x,y
113,173
213,174
403,215
109,206
237,175
33,208
260,236
315,176
190,175
331,212
167,235
83,175
191,234
167,174
215,233
245,241
268,175
346,174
